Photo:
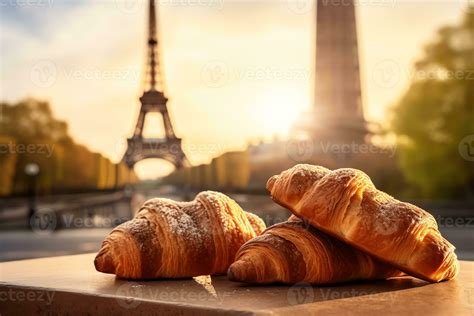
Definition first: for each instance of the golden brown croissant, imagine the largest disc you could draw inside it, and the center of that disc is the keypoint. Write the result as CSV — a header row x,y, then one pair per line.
x,y
169,239
294,251
346,204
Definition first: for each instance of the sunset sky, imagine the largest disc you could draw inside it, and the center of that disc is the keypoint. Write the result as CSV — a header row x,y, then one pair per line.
x,y
235,71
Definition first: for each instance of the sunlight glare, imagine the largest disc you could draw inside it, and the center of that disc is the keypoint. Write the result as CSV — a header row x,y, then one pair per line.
x,y
150,169
277,111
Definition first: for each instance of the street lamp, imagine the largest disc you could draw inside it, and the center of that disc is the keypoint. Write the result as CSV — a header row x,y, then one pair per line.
x,y
32,170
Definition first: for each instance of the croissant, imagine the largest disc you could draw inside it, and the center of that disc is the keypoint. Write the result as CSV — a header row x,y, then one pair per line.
x,y
169,239
346,204
293,252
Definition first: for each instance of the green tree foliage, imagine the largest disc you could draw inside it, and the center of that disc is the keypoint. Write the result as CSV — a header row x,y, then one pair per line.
x,y
30,133
437,113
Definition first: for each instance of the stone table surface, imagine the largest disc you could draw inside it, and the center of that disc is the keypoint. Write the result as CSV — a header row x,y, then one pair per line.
x,y
70,285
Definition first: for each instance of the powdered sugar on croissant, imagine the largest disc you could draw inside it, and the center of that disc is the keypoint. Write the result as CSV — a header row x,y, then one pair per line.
x,y
346,204
169,239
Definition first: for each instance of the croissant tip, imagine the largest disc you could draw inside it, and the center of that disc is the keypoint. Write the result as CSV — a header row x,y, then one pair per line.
x,y
242,271
103,262
271,183
231,275
237,272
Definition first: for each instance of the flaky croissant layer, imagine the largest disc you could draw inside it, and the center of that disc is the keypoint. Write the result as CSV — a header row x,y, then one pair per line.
x,y
169,239
293,252
346,204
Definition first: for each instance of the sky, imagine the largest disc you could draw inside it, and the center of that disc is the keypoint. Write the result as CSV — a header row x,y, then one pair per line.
x,y
236,72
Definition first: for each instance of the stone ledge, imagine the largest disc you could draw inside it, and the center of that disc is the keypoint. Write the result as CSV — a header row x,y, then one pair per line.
x,y
70,284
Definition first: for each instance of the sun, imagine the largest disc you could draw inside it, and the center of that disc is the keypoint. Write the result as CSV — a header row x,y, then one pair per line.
x,y
278,110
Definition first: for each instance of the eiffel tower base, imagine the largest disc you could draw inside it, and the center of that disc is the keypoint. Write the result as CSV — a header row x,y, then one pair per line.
x,y
139,148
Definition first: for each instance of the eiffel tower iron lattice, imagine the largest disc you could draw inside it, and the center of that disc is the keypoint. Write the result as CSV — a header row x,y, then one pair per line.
x,y
154,100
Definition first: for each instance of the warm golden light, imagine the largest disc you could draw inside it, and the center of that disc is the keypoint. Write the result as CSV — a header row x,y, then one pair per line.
x,y
267,68
277,111
150,169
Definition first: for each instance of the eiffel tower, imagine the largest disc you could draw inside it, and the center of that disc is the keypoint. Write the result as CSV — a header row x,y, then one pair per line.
x,y
154,100
337,115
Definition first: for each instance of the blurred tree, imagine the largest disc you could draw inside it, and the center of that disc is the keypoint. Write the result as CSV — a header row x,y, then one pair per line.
x,y
30,133
7,164
437,113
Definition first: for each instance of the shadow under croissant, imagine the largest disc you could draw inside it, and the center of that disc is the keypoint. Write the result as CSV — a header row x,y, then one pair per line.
x,y
304,293
220,292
